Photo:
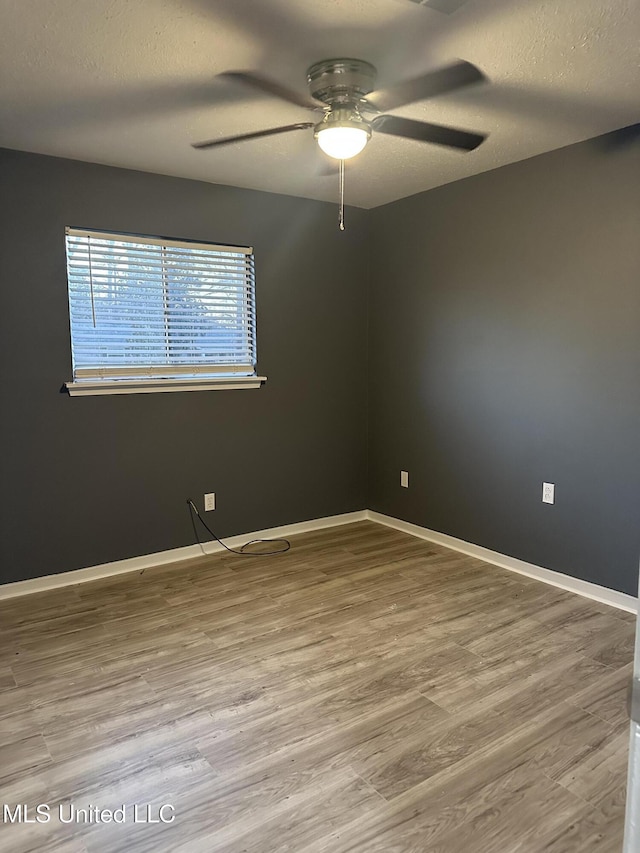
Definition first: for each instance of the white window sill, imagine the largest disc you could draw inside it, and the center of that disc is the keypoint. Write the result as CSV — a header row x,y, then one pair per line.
x,y
90,388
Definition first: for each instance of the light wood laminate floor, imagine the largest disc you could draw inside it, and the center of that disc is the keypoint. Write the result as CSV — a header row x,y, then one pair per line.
x,y
366,692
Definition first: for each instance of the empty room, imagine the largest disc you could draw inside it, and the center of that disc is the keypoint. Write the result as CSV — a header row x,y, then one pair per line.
x,y
320,329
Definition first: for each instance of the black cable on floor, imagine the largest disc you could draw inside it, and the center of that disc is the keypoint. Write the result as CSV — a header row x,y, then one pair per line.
x,y
194,509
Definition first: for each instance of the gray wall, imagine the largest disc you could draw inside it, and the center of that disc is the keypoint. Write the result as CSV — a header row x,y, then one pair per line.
x,y
505,351
95,479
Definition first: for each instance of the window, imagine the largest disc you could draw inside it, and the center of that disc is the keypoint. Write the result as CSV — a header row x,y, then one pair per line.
x,y
152,314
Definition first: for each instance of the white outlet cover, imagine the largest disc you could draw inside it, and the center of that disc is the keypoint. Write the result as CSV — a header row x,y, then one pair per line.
x,y
210,502
404,479
548,493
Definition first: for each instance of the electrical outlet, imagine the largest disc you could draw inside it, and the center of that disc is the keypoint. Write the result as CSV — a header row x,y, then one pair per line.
x,y
548,493
404,479
210,502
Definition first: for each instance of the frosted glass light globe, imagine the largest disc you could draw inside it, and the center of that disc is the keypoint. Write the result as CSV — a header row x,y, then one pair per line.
x,y
342,143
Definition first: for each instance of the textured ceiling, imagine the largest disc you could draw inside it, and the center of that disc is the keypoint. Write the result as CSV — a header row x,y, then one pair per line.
x,y
133,82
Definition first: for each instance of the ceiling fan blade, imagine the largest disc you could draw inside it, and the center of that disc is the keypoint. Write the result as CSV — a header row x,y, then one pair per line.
x,y
264,84
424,132
258,134
446,6
433,83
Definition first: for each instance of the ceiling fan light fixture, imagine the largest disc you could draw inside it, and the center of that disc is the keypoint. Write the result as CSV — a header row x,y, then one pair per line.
x,y
342,133
342,143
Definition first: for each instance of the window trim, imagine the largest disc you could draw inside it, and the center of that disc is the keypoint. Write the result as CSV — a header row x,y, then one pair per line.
x,y
90,388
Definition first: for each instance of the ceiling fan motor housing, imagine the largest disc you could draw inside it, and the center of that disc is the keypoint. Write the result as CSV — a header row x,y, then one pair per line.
x,y
347,116
341,81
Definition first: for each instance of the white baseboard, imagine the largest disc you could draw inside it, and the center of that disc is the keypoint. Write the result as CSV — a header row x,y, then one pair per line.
x,y
161,558
589,590
175,555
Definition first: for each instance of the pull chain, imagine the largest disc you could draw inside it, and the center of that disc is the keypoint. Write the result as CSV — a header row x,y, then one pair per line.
x,y
341,212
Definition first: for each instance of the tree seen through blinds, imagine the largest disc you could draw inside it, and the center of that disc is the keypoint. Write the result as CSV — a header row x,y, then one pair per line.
x,y
146,306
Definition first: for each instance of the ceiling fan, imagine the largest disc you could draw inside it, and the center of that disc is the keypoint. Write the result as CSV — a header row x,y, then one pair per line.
x,y
343,90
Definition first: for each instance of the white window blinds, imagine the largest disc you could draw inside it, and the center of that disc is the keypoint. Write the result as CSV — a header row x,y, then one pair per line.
x,y
144,307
